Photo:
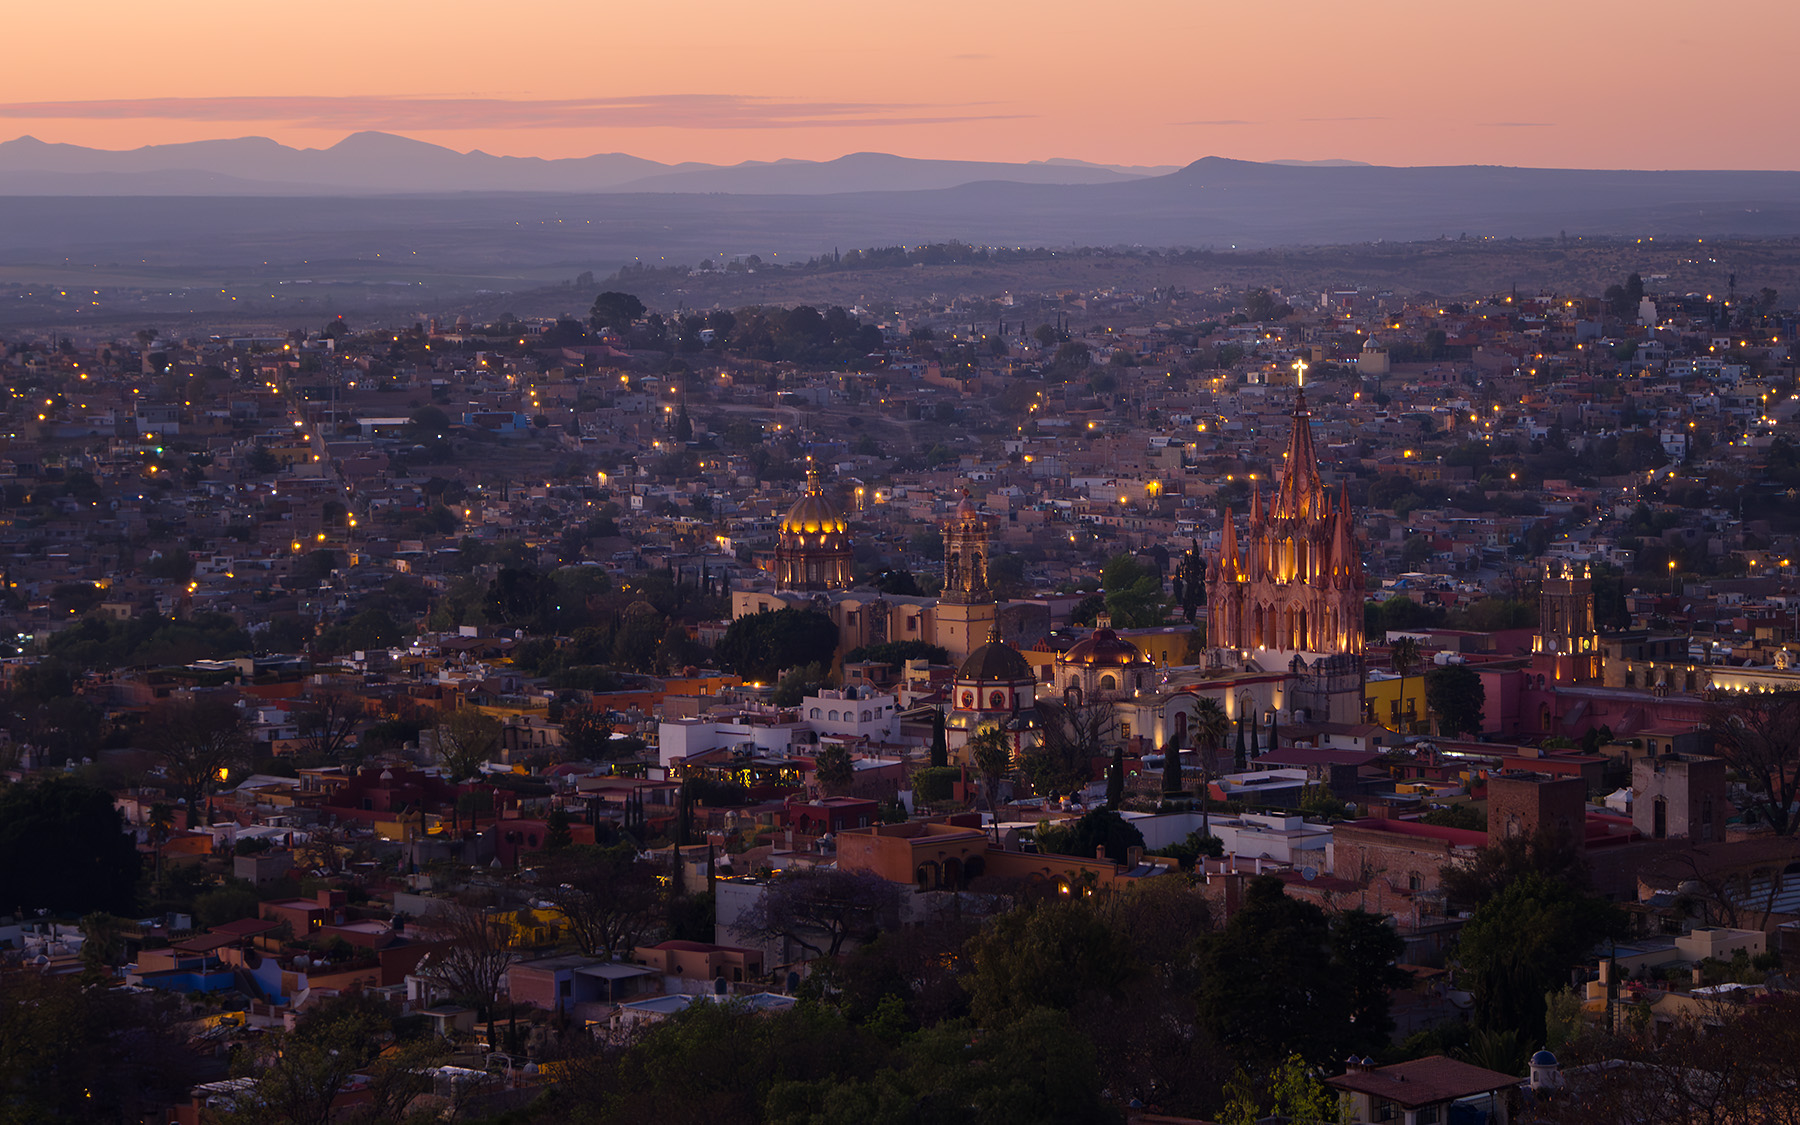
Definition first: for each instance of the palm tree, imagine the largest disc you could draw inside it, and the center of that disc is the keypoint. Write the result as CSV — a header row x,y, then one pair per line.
x,y
1403,658
1210,726
162,826
990,752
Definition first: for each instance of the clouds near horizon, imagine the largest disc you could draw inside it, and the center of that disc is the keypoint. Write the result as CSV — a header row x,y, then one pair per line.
x,y
426,114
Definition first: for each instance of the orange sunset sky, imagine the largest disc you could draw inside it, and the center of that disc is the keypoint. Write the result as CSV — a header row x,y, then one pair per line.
x,y
1584,83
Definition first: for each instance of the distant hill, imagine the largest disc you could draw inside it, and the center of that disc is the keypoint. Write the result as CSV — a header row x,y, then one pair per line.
x,y
381,163
358,210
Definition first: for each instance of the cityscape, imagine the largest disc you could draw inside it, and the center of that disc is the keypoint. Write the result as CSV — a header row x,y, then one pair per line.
x,y
574,597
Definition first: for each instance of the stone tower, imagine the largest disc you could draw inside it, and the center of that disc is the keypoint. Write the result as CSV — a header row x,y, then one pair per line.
x,y
1567,646
966,610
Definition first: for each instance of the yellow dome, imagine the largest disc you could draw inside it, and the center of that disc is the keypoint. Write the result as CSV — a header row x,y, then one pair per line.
x,y
813,515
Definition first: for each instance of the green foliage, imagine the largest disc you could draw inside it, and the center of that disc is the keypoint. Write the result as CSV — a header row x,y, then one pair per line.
x,y
760,645
834,768
230,903
98,643
1522,943
798,683
1460,815
1189,851
70,1051
64,848
1089,832
1281,979
1058,953
1455,693
932,784
1289,1093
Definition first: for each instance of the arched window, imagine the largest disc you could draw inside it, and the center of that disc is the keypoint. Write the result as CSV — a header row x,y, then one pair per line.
x,y
832,715
865,716
997,700
815,712
1108,683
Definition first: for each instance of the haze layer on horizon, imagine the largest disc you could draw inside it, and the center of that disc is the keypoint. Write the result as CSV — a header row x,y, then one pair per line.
x,y
1603,84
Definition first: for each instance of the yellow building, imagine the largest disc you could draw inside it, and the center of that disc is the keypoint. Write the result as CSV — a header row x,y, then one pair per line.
x,y
1384,703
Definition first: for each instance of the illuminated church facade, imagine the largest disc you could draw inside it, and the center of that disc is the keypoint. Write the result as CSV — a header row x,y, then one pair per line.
x,y
1294,583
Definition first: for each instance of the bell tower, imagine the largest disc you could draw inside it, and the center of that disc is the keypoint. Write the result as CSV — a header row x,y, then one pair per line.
x,y
966,610
1567,645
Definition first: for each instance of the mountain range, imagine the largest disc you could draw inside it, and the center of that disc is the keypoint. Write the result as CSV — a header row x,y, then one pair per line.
x,y
372,163
383,207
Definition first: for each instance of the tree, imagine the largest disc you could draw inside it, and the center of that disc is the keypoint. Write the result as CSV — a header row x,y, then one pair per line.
x,y
759,645
1269,987
1190,583
833,767
615,310
1070,736
1522,943
1087,834
72,1051
607,897
1133,593
1759,735
990,752
1289,1093
301,1074
1171,779
64,848
1728,1063
477,949
798,683
1115,778
940,749
466,739
1367,950
326,724
819,909
1403,658
1455,694
1552,855
587,734
196,744
1056,953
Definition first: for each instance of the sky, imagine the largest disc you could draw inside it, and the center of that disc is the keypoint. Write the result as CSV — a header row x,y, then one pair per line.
x,y
1584,83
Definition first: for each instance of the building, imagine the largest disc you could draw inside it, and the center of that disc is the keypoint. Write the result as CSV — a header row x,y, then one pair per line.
x,y
813,552
994,687
1296,585
1567,646
1422,1091
966,612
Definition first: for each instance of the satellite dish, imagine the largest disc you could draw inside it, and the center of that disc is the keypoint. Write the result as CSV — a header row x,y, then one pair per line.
x,y
1309,873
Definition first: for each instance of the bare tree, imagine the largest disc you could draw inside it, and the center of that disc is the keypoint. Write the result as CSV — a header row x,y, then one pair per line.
x,y
607,897
477,949
326,723
465,740
1070,737
196,744
819,909
1759,735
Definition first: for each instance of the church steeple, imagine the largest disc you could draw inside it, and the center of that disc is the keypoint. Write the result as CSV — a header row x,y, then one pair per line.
x,y
1300,484
1229,567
